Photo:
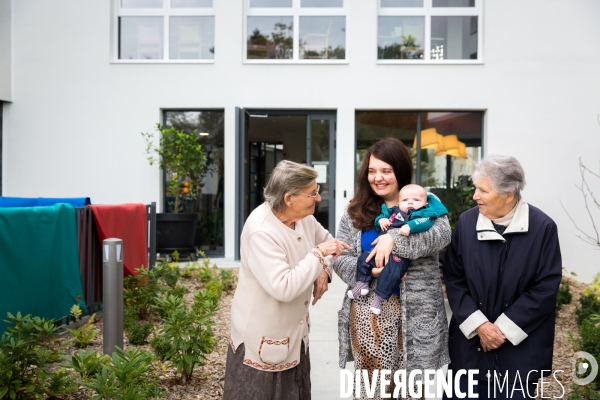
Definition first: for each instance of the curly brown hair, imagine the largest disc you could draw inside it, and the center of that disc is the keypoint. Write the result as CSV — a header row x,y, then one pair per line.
x,y
366,205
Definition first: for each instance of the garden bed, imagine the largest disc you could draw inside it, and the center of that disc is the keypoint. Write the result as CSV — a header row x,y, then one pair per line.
x,y
207,380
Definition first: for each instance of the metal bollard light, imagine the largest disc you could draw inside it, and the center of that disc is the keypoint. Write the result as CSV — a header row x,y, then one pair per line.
x,y
112,282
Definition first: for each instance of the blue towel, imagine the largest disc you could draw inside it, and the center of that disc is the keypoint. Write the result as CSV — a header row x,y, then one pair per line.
x,y
43,201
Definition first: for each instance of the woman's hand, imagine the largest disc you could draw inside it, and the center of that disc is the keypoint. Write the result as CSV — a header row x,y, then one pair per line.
x,y
320,287
384,245
490,336
334,247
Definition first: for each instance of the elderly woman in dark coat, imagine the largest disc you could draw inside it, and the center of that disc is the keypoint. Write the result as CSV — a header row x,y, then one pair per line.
x,y
411,332
502,277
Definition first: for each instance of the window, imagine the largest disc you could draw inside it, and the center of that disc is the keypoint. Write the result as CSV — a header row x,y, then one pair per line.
x,y
429,30
450,148
210,128
293,30
174,30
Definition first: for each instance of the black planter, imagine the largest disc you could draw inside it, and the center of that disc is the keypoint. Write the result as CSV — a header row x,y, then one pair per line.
x,y
176,232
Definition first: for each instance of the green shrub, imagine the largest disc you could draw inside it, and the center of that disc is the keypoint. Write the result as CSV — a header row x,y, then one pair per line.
x,y
228,279
161,347
564,295
25,360
138,331
85,333
589,305
188,332
590,342
129,375
139,291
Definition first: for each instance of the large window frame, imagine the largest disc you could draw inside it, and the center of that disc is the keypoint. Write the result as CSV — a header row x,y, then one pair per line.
x,y
166,12
296,12
428,11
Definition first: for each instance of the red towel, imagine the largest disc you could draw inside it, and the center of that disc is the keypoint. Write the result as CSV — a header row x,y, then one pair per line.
x,y
129,223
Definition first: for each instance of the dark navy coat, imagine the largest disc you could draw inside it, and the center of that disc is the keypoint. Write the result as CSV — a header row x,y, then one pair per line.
x,y
511,280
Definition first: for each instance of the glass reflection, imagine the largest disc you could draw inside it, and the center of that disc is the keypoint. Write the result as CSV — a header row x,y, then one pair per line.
x,y
401,3
400,38
141,38
270,38
453,38
322,3
270,3
323,38
320,161
191,38
453,3
191,3
210,202
141,3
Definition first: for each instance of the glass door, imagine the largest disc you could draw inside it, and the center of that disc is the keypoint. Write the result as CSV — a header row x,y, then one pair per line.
x,y
265,137
320,147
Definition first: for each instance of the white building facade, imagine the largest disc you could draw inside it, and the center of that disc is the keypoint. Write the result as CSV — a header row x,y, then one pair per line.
x,y
316,81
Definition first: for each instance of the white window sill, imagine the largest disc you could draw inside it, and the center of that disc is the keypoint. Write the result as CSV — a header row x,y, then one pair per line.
x,y
430,62
297,62
162,61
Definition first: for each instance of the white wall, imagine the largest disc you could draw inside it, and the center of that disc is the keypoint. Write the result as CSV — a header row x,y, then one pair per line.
x,y
74,128
5,50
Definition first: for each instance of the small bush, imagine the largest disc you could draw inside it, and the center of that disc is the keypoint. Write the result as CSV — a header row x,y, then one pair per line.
x,y
161,347
25,360
564,295
85,333
129,375
590,342
138,331
589,305
228,279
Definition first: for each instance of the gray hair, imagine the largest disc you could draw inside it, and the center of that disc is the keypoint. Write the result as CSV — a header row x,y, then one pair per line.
x,y
287,177
505,174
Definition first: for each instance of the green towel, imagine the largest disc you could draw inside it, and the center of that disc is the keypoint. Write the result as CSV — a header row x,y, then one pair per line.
x,y
39,262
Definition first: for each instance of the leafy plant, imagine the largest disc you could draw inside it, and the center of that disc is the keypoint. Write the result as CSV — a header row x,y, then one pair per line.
x,y
85,333
228,279
564,295
182,158
189,332
139,290
161,347
129,375
588,306
25,357
138,331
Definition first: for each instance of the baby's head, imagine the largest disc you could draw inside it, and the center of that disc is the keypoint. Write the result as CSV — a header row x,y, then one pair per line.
x,y
412,197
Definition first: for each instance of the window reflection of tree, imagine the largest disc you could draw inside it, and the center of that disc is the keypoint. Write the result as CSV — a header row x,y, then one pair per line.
x,y
279,46
408,49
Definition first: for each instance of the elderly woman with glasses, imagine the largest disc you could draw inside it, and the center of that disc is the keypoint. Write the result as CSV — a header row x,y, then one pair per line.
x,y
502,277
286,256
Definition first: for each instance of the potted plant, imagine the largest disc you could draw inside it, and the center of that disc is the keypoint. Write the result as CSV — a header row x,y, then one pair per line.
x,y
185,162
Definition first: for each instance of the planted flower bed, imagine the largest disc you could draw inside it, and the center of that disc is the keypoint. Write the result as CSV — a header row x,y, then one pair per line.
x,y
176,336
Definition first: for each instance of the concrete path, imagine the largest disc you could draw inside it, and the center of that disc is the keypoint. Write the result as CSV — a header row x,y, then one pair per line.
x,y
325,373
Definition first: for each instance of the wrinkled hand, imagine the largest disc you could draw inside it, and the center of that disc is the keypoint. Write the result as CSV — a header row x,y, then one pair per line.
x,y
320,286
384,224
383,247
333,246
490,336
404,230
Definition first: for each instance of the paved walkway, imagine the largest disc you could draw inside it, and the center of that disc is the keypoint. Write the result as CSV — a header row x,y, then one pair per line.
x,y
325,373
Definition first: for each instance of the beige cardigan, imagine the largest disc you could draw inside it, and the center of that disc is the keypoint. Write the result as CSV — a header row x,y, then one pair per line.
x,y
269,312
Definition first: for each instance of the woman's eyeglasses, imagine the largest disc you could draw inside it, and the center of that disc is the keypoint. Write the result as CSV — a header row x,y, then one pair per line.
x,y
314,195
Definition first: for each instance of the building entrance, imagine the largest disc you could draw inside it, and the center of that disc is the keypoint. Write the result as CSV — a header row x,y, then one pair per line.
x,y
266,137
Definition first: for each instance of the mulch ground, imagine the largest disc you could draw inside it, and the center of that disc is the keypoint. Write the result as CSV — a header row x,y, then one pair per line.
x,y
208,380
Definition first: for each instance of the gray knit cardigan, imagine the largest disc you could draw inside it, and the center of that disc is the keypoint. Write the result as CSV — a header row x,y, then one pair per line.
x,y
424,323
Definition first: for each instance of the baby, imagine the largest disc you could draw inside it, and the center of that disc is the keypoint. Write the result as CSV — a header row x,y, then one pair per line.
x,y
416,212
